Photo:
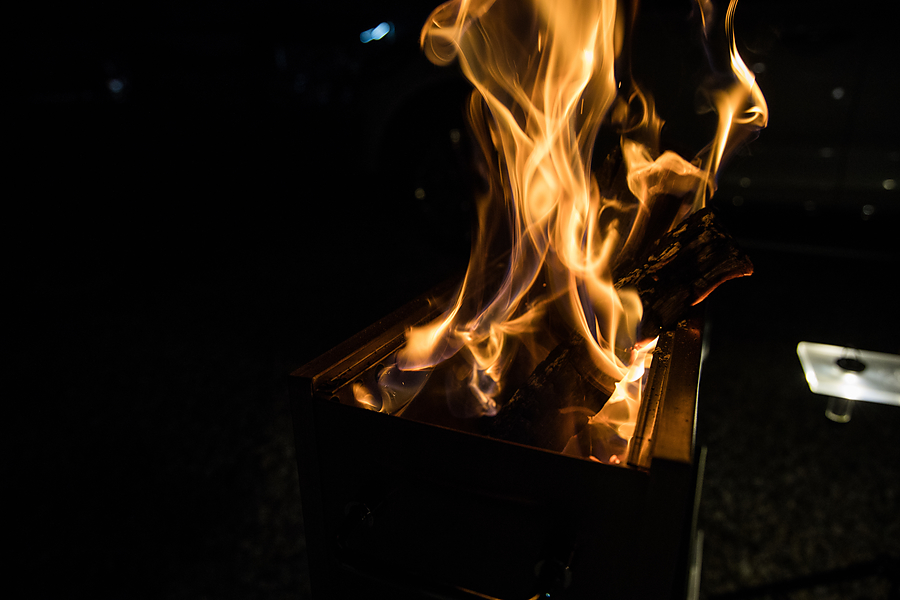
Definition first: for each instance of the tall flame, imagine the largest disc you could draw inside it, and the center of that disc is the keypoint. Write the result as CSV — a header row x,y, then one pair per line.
x,y
547,74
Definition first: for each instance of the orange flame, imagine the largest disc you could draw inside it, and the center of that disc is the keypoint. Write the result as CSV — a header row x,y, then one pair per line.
x,y
740,103
546,72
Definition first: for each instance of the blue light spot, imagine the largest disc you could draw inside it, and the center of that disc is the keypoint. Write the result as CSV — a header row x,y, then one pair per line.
x,y
116,85
376,33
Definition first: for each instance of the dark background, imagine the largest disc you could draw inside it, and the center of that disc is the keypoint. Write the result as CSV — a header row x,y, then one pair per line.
x,y
203,196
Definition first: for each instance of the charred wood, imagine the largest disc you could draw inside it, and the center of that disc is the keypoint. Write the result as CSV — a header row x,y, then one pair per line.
x,y
567,389
554,403
682,269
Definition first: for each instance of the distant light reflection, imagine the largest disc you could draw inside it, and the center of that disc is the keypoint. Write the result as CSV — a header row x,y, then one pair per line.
x,y
376,33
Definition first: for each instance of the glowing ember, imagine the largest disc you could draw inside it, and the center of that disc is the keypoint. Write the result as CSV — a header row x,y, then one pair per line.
x,y
547,75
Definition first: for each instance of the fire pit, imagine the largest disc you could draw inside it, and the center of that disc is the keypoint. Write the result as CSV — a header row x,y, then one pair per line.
x,y
404,509
532,432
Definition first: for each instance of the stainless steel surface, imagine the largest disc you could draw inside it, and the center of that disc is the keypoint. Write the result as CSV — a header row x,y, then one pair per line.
x,y
449,511
877,381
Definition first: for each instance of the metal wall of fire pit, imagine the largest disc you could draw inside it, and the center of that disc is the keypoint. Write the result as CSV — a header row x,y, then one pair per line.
x,y
401,509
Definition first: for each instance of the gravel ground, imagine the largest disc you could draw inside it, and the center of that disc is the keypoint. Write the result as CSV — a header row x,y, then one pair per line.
x,y
787,492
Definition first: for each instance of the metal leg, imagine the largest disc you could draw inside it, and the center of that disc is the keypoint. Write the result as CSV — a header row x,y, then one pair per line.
x,y
838,409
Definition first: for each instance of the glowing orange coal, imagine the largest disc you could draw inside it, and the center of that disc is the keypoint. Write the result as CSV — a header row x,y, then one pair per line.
x,y
547,75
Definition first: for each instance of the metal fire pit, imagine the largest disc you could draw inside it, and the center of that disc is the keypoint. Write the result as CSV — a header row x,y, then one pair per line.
x,y
396,508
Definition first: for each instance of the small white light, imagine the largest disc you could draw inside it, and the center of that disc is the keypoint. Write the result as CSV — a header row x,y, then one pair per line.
x,y
737,200
420,193
744,182
826,152
889,184
837,93
759,68
850,378
116,85
868,210
455,136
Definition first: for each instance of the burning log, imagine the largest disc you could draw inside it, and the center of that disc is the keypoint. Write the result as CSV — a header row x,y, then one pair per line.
x,y
555,402
683,268
566,389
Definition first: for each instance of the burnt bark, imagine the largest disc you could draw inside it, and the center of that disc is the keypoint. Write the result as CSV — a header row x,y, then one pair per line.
x,y
556,400
566,389
683,268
